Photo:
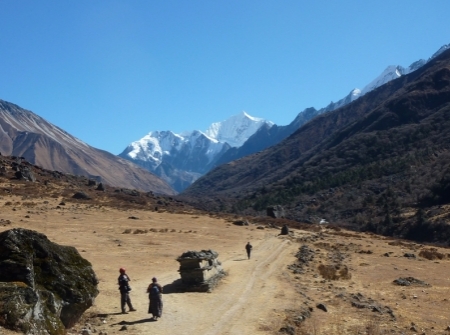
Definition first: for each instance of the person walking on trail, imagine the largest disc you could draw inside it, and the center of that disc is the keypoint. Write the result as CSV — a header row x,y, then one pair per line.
x,y
248,248
124,288
155,291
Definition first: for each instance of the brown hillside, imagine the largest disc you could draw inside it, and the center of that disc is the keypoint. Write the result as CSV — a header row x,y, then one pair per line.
x,y
25,134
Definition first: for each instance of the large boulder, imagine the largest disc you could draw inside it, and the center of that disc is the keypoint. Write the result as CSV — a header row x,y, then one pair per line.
x,y
276,211
284,230
44,287
25,173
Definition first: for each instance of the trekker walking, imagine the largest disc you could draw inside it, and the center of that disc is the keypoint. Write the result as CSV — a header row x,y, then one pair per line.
x,y
248,248
154,291
125,289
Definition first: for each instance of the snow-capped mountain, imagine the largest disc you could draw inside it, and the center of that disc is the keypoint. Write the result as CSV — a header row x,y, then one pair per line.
x,y
395,71
237,129
182,158
266,137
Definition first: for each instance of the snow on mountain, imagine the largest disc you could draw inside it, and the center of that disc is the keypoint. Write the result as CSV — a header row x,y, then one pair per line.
x,y
353,95
155,145
441,50
390,73
236,129
264,138
181,158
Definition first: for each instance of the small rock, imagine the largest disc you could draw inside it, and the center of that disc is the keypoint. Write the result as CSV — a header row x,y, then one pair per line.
x,y
287,330
322,307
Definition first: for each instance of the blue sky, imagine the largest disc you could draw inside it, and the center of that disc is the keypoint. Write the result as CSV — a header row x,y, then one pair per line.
x,y
109,72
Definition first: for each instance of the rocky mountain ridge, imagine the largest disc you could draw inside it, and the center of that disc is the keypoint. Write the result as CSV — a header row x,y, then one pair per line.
x,y
25,134
180,159
380,162
166,162
265,138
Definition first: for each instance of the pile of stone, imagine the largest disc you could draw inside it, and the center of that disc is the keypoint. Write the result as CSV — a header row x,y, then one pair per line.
x,y
305,255
200,270
408,281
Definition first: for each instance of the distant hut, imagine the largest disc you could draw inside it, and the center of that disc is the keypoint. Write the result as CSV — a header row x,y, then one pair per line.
x,y
200,270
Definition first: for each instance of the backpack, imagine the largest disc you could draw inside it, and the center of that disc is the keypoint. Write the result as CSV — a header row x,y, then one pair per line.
x,y
123,283
154,291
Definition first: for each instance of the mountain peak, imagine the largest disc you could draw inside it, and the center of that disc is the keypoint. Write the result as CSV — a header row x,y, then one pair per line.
x,y
182,158
441,50
236,129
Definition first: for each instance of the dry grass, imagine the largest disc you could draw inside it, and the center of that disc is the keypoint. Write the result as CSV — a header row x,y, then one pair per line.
x,y
431,254
334,272
156,251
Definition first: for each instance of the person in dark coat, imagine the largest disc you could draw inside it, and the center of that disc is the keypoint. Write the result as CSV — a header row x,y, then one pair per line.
x,y
248,248
124,288
155,291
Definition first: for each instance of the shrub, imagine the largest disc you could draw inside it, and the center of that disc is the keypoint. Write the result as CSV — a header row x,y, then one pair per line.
x,y
334,272
431,254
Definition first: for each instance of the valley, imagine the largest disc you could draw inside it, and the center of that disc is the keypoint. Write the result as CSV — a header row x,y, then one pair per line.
x,y
273,290
344,207
375,171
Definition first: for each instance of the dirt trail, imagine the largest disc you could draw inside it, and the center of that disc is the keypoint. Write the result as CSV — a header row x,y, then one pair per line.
x,y
239,305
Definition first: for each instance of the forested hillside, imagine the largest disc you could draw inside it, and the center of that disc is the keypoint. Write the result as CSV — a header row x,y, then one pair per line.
x,y
381,163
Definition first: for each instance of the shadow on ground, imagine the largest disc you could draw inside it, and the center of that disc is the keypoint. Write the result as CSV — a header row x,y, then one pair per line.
x,y
130,323
104,315
174,287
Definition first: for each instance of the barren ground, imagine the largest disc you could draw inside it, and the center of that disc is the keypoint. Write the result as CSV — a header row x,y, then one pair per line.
x,y
258,296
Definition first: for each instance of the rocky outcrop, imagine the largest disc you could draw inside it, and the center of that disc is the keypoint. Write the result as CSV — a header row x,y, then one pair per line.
x,y
81,195
276,211
200,270
284,230
44,287
25,173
